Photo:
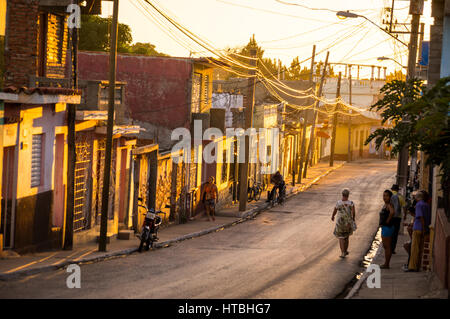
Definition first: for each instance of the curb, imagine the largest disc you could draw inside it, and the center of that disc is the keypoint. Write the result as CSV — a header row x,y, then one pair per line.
x,y
252,213
363,278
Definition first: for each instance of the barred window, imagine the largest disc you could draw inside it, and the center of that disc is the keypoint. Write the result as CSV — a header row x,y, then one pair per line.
x,y
196,93
36,160
206,91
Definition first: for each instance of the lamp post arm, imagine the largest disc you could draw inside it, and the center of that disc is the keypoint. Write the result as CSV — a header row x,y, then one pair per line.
x,y
382,29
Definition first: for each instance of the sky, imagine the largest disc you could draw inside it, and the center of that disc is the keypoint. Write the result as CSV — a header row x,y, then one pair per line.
x,y
283,31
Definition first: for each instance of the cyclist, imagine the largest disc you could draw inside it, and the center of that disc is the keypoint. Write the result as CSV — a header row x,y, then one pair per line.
x,y
278,182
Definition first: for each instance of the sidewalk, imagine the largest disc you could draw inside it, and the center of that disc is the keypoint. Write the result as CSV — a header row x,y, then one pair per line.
x,y
397,284
12,265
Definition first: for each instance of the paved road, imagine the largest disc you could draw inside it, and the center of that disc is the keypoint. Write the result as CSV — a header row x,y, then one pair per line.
x,y
287,252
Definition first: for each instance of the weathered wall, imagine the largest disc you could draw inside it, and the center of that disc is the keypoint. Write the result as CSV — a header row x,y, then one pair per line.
x,y
22,50
34,205
22,37
441,249
157,91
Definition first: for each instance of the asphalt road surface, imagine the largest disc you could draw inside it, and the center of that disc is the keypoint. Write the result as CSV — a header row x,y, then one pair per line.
x,y
286,252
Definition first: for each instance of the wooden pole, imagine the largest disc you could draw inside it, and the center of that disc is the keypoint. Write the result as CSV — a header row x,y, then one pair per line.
x,y
243,174
316,104
335,119
402,165
349,155
109,128
303,146
71,151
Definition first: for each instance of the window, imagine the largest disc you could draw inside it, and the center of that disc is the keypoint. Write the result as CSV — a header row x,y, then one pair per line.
x,y
55,38
196,93
193,172
36,160
206,90
224,168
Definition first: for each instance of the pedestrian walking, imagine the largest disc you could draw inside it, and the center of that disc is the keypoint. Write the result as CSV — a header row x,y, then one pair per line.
x,y
387,227
398,202
209,197
345,221
422,220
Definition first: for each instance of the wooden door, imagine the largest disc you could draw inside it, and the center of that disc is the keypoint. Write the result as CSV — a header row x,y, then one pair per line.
x,y
7,222
59,197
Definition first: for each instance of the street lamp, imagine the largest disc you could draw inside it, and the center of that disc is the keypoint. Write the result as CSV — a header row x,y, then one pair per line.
x,y
348,14
384,58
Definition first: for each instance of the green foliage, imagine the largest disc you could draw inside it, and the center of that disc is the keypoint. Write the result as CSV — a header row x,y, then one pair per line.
x,y
432,127
94,36
296,72
427,125
145,49
397,75
250,45
392,108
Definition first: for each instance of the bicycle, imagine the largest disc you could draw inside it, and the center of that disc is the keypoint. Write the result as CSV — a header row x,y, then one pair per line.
x,y
279,195
254,192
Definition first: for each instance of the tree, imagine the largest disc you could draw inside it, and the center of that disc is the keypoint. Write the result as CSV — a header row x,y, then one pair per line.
x,y
432,129
397,94
145,49
426,128
397,75
295,72
94,34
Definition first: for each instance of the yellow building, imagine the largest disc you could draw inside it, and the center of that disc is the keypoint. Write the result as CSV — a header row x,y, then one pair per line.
x,y
361,127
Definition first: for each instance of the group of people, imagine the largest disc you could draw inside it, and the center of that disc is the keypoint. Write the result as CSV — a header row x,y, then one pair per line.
x,y
394,205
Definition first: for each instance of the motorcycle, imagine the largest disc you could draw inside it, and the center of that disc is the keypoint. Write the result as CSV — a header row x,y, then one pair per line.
x,y
150,227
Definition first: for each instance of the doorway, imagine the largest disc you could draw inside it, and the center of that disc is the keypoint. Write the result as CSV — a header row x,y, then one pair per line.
x,y
58,202
8,200
123,185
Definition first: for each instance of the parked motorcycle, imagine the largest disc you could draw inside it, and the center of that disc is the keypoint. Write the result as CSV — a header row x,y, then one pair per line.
x,y
150,227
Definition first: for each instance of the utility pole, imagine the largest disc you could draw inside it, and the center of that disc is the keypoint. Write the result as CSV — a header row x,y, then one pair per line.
x,y
349,155
303,147
109,128
71,151
316,105
335,120
415,9
243,172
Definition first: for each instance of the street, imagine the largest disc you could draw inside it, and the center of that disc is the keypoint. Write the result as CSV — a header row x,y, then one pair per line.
x,y
287,252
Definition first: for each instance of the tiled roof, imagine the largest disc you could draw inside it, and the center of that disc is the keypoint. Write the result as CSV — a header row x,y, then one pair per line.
x,y
42,90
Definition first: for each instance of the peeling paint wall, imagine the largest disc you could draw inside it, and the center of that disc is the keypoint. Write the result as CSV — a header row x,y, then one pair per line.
x,y
157,89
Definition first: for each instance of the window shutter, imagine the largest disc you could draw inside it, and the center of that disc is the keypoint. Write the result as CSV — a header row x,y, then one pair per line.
x,y
36,160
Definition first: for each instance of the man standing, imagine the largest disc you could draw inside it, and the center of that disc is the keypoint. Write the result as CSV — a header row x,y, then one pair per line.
x,y
210,196
398,202
421,225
